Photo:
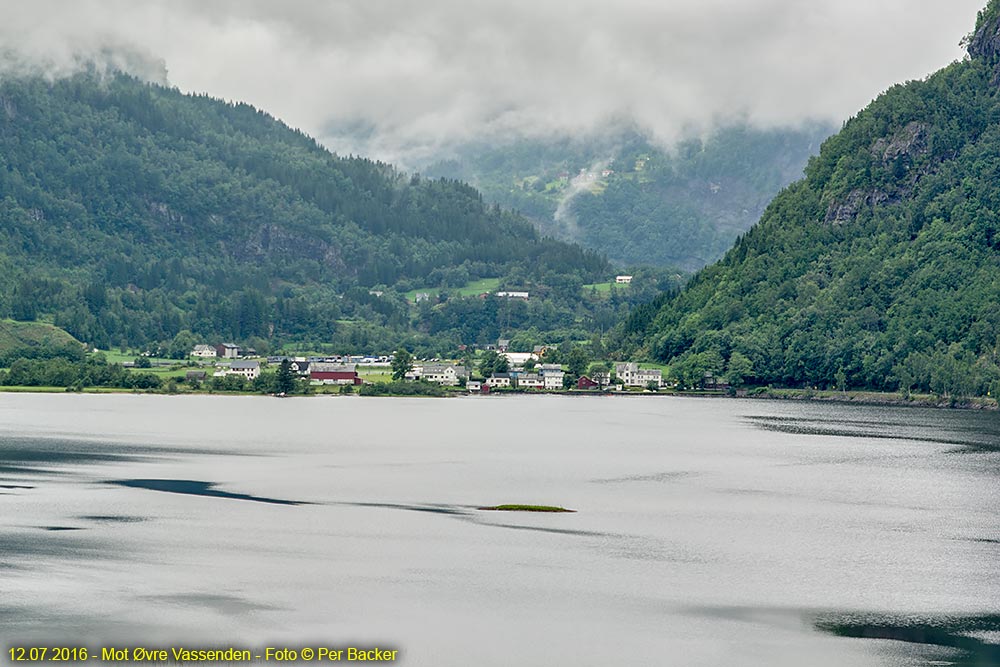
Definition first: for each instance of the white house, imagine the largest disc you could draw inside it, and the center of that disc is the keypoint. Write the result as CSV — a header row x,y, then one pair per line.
x,y
530,381
552,374
248,369
513,295
623,280
498,380
204,351
631,375
447,375
474,385
554,380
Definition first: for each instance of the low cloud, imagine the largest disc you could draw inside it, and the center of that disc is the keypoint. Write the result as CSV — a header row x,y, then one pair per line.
x,y
402,79
582,182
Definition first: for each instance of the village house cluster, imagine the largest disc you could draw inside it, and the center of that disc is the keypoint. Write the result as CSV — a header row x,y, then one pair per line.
x,y
336,369
539,376
525,370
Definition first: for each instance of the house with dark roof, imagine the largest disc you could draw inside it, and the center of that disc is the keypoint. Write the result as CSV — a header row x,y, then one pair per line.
x,y
498,380
227,350
530,381
248,369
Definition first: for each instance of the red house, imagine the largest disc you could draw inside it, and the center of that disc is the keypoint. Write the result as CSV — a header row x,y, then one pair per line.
x,y
586,383
334,373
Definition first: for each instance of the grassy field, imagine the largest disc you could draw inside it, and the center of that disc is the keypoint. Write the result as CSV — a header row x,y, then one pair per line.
x,y
470,289
165,372
62,390
375,373
119,357
661,367
15,334
604,288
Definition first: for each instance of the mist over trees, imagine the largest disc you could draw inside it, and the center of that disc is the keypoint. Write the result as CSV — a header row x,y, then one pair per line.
x,y
616,191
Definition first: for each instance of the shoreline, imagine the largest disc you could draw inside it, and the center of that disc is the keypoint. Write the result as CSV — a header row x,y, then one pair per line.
x,y
859,397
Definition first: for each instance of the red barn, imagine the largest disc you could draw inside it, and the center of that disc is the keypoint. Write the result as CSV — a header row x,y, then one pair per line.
x,y
334,373
586,383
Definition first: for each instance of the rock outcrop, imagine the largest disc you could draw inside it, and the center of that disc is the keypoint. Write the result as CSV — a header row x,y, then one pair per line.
x,y
909,143
839,213
985,41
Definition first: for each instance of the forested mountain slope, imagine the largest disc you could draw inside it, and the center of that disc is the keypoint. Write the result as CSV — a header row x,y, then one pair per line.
x,y
881,268
618,192
130,212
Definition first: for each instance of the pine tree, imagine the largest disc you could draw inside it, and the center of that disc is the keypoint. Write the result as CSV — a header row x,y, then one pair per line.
x,y
285,381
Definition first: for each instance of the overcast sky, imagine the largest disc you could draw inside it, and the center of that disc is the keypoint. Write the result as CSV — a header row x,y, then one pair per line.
x,y
437,71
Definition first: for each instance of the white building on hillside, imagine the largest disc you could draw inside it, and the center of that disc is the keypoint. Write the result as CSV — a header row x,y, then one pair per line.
x,y
630,375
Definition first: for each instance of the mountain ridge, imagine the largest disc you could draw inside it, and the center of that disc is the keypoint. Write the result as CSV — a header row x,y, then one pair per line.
x,y
130,212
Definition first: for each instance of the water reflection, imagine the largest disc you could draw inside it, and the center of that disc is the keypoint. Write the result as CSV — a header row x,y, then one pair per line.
x,y
473,514
957,633
190,487
24,456
939,428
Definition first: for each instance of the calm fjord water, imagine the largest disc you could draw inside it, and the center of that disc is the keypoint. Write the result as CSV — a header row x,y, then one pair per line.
x,y
708,532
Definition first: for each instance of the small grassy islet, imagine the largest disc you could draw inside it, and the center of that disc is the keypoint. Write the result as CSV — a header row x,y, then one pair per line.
x,y
526,508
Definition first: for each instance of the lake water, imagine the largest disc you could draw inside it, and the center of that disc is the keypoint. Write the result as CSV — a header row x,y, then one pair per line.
x,y
707,531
